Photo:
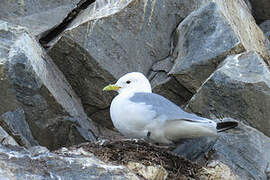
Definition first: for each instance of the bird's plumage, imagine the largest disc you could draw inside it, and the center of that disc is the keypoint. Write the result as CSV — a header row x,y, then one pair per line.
x,y
163,106
138,113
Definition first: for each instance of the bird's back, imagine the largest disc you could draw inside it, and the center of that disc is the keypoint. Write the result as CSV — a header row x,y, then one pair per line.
x,y
163,106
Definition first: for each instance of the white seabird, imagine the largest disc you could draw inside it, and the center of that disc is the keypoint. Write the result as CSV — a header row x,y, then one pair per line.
x,y
138,113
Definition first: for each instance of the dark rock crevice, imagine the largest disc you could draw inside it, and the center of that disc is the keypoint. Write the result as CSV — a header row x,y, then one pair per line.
x,y
56,31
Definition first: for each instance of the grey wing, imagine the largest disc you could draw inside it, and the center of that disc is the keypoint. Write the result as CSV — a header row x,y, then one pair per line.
x,y
163,106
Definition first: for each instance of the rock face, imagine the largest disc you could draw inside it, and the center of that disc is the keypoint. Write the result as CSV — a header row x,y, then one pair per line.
x,y
261,9
244,25
245,150
39,16
167,86
107,47
38,163
203,40
35,94
5,138
239,88
210,34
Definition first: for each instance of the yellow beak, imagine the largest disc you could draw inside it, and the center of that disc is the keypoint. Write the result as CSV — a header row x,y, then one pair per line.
x,y
111,87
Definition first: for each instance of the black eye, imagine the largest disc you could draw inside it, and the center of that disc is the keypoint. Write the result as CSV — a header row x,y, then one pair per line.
x,y
128,82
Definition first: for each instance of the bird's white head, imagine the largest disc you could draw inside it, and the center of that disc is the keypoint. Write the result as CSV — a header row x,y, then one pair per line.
x,y
131,82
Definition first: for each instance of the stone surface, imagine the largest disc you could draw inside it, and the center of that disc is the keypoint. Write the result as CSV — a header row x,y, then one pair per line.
x,y
167,86
260,9
15,123
148,172
240,153
265,26
39,15
6,139
170,88
35,94
40,164
217,170
239,88
196,148
98,47
202,40
252,38
245,150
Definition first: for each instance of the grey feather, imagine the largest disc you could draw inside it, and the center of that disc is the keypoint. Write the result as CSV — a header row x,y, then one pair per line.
x,y
163,106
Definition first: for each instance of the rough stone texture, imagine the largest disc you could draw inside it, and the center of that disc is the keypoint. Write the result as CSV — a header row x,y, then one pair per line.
x,y
167,86
14,122
217,170
261,9
196,148
252,38
35,93
87,79
203,40
40,164
148,172
240,153
38,15
245,150
239,88
6,139
97,49
170,88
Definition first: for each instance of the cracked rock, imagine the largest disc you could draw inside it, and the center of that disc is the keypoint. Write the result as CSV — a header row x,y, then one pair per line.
x,y
203,40
210,34
167,86
37,105
240,89
6,139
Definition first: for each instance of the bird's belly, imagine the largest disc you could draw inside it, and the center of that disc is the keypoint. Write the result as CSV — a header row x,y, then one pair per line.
x,y
129,120
128,128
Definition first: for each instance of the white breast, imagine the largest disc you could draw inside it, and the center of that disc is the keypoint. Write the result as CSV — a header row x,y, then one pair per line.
x,y
130,118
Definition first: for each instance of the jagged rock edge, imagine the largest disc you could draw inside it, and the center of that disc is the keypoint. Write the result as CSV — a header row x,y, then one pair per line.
x,y
54,32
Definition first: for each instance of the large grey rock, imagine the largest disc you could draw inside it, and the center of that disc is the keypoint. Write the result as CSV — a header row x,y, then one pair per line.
x,y
14,122
245,26
35,94
39,15
245,150
260,9
239,88
99,46
203,40
40,164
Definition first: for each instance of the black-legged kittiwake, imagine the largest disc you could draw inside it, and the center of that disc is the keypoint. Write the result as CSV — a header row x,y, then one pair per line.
x,y
138,113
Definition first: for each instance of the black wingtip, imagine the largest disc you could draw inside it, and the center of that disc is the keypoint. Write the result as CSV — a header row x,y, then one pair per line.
x,y
223,126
